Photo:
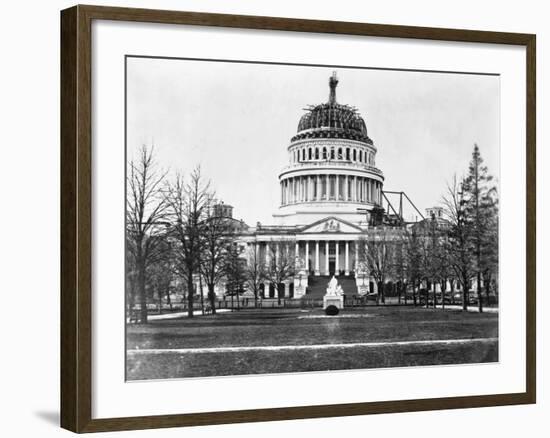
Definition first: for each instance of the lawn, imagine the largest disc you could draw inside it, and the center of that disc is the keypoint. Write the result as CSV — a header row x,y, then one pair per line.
x,y
242,342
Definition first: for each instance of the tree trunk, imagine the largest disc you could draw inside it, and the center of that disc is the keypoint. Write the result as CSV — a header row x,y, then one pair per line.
x,y
168,299
427,296
487,284
212,298
142,294
132,300
465,293
190,293
479,297
443,292
452,290
397,288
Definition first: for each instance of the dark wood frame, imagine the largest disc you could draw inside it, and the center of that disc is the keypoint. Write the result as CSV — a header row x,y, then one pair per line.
x,y
76,217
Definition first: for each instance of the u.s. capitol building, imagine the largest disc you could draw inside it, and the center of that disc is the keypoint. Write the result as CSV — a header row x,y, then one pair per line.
x,y
331,195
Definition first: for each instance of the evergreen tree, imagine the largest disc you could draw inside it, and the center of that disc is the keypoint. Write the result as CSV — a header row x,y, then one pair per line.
x,y
481,213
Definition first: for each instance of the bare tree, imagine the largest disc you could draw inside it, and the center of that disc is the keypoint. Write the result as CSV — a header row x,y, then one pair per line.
x,y
377,251
145,213
413,259
188,203
160,275
458,244
255,271
218,236
235,271
400,268
430,260
281,264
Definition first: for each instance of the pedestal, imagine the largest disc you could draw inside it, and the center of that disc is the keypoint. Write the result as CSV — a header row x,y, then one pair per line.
x,y
333,300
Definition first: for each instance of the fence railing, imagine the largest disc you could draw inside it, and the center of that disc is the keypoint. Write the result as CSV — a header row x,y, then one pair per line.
x,y
291,303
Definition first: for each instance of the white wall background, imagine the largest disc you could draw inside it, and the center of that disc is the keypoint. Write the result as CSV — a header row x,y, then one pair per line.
x,y
29,214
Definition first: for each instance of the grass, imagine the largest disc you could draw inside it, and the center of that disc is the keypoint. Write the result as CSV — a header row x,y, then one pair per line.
x,y
283,327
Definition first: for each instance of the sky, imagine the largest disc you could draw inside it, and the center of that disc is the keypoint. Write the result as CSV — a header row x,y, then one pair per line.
x,y
236,120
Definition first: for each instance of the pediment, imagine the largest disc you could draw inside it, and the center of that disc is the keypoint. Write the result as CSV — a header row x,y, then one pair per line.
x,y
331,225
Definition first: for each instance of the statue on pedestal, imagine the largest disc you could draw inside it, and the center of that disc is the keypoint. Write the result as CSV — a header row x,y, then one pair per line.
x,y
334,289
334,295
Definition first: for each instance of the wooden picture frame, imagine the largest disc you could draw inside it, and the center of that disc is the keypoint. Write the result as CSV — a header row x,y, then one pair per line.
x,y
76,217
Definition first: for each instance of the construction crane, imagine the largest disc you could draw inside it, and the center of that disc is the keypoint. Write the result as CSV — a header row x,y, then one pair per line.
x,y
378,214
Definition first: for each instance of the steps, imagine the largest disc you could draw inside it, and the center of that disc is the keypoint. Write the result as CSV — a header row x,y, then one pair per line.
x,y
317,285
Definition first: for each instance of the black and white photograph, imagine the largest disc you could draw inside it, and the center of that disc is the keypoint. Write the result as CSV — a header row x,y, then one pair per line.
x,y
287,218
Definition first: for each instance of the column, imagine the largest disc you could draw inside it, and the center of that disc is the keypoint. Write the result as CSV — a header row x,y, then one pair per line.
x,y
347,258
307,255
346,191
317,272
326,258
337,264
356,256
277,255
290,190
297,251
373,192
267,253
287,189
369,187
318,186
337,188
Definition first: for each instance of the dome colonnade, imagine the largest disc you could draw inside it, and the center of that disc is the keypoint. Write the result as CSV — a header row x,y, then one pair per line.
x,y
332,165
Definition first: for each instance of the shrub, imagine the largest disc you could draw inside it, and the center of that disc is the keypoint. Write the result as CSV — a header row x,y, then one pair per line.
x,y
332,310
